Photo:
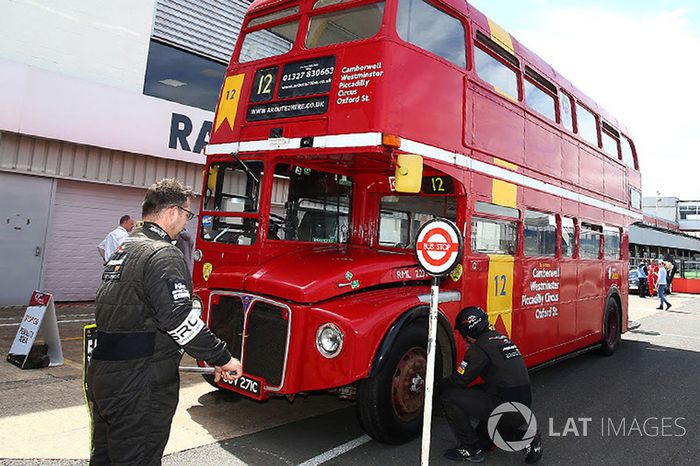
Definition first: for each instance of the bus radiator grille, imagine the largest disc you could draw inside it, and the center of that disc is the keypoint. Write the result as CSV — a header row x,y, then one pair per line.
x,y
227,323
266,342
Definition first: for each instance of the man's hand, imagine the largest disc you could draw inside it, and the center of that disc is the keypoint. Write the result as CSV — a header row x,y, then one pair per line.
x,y
232,370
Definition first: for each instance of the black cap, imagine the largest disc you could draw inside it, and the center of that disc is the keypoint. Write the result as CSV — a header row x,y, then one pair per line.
x,y
471,322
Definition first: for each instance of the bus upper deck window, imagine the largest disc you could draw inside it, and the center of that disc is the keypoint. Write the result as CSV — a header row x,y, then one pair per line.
x,y
587,126
341,26
270,41
566,110
421,24
627,154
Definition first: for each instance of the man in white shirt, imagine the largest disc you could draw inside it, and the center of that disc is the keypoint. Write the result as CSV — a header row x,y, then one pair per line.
x,y
115,237
661,285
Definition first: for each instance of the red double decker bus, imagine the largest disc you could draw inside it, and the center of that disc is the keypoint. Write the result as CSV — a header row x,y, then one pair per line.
x,y
305,263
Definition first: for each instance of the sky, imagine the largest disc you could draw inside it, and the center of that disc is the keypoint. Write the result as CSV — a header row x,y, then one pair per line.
x,y
638,59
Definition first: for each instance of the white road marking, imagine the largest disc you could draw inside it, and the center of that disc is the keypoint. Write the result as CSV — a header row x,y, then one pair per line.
x,y
337,451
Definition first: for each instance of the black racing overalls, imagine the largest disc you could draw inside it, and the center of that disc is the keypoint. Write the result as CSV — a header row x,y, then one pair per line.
x,y
499,363
144,321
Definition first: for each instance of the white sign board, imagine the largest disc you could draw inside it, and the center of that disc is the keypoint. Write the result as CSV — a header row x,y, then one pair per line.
x,y
439,247
39,316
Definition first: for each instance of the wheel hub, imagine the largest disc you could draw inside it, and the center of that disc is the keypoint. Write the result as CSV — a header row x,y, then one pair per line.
x,y
408,384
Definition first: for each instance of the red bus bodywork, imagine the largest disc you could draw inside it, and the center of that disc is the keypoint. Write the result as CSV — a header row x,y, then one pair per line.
x,y
388,97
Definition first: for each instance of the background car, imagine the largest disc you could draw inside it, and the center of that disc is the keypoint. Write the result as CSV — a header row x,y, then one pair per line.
x,y
634,281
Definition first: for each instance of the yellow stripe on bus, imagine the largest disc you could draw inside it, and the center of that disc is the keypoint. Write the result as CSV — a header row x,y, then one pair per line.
x,y
504,164
499,300
504,193
501,36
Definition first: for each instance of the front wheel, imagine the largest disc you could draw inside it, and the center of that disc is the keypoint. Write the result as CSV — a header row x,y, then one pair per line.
x,y
390,404
612,327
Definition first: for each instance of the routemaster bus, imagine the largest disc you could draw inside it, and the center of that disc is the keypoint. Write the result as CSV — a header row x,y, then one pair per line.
x,y
305,261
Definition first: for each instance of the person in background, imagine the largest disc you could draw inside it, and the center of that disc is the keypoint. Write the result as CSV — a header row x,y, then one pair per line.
x,y
661,286
651,276
145,321
643,279
115,238
671,272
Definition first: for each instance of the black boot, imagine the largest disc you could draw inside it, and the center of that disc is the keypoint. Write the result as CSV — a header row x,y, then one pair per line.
x,y
464,453
533,452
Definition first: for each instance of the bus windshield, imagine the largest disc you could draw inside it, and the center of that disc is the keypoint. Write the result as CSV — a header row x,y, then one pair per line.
x,y
270,41
233,188
310,205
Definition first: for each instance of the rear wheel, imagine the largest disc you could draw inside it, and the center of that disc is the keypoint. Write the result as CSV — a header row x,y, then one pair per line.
x,y
612,326
390,404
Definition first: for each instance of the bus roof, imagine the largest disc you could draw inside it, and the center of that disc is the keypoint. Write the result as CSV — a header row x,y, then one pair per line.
x,y
532,59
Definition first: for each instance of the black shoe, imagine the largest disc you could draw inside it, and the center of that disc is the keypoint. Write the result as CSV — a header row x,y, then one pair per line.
x,y
469,454
668,306
661,308
533,452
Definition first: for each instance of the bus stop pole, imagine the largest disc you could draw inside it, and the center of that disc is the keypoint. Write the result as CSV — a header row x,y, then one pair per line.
x,y
430,372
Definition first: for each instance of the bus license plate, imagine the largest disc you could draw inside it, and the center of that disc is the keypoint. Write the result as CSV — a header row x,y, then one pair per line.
x,y
246,385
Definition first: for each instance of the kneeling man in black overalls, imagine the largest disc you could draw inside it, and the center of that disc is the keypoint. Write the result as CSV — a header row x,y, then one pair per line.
x,y
499,363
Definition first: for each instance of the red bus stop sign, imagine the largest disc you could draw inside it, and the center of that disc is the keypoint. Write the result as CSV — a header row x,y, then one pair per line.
x,y
439,247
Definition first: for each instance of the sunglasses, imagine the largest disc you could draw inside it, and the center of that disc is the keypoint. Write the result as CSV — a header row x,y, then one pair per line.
x,y
190,215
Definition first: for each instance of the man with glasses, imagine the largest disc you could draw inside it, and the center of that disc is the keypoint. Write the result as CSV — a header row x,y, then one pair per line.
x,y
145,320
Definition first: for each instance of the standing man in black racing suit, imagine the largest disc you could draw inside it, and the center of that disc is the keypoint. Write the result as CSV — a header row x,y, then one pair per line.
x,y
145,320
499,363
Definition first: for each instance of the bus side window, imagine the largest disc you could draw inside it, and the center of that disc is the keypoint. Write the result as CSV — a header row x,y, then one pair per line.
x,y
587,126
539,94
627,153
540,234
611,140
589,241
504,78
421,24
612,242
566,110
568,237
401,217
494,236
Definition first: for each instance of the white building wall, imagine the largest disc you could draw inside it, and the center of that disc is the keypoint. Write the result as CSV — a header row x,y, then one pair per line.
x,y
104,41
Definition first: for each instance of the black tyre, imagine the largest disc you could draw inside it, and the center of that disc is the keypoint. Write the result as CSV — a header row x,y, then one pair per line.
x,y
612,326
390,404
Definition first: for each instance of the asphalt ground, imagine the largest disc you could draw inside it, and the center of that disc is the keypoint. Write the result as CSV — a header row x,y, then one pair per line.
x,y
639,407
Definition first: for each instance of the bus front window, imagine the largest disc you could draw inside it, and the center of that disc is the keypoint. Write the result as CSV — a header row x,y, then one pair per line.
x,y
310,205
355,23
232,194
271,41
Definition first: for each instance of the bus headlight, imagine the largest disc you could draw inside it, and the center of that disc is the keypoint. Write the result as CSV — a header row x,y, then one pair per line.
x,y
329,340
197,305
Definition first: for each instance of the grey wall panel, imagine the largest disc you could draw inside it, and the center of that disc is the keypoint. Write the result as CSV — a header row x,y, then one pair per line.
x,y
206,27
82,215
57,159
